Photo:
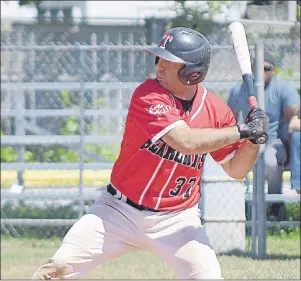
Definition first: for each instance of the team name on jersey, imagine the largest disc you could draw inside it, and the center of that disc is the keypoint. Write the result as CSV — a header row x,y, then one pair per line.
x,y
163,150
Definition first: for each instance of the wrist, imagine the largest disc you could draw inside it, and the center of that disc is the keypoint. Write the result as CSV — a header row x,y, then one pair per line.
x,y
243,131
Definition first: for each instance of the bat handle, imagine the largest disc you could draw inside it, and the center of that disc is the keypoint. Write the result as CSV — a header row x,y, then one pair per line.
x,y
253,103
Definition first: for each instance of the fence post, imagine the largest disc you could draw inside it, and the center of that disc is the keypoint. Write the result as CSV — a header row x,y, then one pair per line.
x,y
81,131
106,93
107,53
259,167
132,57
291,11
32,60
254,216
95,72
119,91
20,105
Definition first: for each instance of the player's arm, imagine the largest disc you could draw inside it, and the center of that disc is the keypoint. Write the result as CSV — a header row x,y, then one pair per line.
x,y
246,154
243,160
200,141
166,123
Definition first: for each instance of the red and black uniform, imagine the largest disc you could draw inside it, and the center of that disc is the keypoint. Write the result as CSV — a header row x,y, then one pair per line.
x,y
150,172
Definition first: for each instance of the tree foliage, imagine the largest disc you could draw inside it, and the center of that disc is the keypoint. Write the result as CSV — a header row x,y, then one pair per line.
x,y
29,2
199,16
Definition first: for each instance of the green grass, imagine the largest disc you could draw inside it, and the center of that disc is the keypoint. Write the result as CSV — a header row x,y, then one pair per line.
x,y
21,257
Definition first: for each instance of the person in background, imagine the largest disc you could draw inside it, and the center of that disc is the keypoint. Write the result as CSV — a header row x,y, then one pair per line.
x,y
281,103
294,132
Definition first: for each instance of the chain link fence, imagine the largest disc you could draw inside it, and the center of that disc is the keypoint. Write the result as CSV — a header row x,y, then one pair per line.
x,y
64,101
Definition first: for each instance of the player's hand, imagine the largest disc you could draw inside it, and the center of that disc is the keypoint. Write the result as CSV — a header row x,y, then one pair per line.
x,y
256,126
256,113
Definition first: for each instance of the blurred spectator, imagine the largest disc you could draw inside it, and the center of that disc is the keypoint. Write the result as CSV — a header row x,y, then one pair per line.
x,y
281,104
294,131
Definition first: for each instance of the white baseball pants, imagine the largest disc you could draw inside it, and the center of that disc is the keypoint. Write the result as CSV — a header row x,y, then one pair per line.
x,y
111,228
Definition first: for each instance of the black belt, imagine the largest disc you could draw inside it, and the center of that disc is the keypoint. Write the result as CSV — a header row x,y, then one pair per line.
x,y
112,190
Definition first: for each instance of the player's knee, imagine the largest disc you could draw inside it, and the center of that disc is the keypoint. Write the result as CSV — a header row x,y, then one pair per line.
x,y
55,270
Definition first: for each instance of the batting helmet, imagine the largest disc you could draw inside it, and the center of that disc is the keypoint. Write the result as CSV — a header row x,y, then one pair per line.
x,y
185,45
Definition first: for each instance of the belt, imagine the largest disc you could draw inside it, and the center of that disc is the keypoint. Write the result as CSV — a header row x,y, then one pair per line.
x,y
117,194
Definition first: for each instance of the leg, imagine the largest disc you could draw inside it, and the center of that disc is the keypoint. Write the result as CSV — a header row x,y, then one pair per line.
x,y
99,236
184,245
275,158
295,161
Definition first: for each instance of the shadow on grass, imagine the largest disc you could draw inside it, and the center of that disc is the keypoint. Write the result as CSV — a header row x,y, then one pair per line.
x,y
238,253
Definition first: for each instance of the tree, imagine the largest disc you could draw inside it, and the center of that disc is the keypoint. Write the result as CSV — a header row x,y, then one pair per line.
x,y
261,3
200,16
54,11
36,3
30,2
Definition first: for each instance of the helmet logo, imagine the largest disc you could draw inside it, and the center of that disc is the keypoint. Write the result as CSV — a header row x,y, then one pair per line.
x,y
166,38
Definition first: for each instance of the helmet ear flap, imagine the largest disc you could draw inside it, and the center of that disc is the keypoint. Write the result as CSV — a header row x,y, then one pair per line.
x,y
192,74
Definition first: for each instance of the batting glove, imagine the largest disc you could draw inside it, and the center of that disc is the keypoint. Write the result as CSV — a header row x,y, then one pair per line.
x,y
256,113
256,127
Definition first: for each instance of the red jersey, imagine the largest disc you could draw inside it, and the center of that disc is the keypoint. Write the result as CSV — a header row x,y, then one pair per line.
x,y
150,172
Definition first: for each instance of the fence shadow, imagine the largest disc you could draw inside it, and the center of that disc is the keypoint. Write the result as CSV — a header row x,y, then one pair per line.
x,y
238,253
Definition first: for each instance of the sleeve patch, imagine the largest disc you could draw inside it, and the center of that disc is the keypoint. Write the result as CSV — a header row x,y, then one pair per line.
x,y
159,109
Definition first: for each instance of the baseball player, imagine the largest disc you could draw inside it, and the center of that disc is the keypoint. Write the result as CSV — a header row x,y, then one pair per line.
x,y
152,200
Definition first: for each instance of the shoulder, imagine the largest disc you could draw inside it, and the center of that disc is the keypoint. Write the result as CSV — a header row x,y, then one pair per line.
x,y
280,84
282,87
150,96
150,90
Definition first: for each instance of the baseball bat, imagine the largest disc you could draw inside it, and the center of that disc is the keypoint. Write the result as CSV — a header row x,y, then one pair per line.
x,y
240,45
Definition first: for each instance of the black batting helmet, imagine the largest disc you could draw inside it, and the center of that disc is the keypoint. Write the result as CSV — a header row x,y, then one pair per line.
x,y
185,45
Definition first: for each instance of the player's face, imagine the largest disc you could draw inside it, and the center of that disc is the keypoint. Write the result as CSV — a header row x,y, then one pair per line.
x,y
167,74
269,71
